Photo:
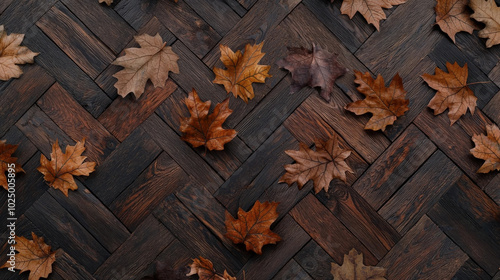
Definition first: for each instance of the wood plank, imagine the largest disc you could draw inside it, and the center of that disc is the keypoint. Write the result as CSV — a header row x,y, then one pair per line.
x,y
470,218
471,271
69,268
4,5
31,11
474,48
425,252
292,271
136,12
141,248
237,7
247,3
25,149
337,240
491,109
494,74
176,257
493,190
217,13
315,261
76,40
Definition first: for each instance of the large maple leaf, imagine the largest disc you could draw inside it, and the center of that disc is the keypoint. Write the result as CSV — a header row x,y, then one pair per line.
x,y
242,69
321,166
12,53
316,68
354,269
487,12
59,171
386,104
452,91
6,159
152,61
202,129
370,9
205,270
34,256
452,16
253,227
488,148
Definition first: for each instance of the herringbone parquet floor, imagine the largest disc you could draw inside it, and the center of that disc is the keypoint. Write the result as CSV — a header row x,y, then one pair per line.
x,y
415,204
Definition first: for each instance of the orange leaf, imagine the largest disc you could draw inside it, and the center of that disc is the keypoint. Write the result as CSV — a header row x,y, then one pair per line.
x,y
354,269
487,12
205,270
253,227
12,53
488,148
452,16
370,9
6,158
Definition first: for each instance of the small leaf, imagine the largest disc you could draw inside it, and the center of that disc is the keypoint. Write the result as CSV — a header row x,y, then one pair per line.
x,y
354,269
205,270
370,9
452,17
12,53
488,148
6,158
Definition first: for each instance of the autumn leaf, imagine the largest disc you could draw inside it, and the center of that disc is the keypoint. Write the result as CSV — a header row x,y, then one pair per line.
x,y
6,158
108,2
202,129
386,104
205,270
452,17
487,12
253,227
488,148
452,91
316,68
12,53
321,166
242,69
152,61
370,9
354,269
34,256
59,171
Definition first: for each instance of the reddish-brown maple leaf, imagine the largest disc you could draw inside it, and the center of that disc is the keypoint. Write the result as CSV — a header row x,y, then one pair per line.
x,y
202,129
321,166
354,269
370,9
59,171
386,104
253,227
452,91
487,12
453,16
12,54
7,160
205,270
314,68
488,148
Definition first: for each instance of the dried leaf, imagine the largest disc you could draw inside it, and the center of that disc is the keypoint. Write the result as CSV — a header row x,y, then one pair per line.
x,y
34,256
354,269
321,166
370,9
487,12
488,148
6,158
253,227
452,16
59,171
242,70
386,104
452,91
316,68
152,61
108,2
202,129
12,53
205,270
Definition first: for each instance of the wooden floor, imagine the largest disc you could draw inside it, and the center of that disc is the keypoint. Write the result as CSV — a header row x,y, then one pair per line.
x,y
415,204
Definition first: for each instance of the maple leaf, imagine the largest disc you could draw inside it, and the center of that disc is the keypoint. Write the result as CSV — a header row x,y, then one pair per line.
x,y
488,13
316,68
354,269
488,148
205,270
152,61
452,91
321,166
12,53
108,2
370,9
202,129
242,70
253,227
59,171
452,17
34,256
6,158
386,104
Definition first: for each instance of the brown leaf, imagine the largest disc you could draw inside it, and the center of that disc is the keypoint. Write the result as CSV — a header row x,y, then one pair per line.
x,y
452,91
108,2
354,269
452,16
152,61
34,256
370,9
6,158
202,129
12,53
488,148
321,166
386,104
253,227
316,68
242,70
205,270
59,171
487,12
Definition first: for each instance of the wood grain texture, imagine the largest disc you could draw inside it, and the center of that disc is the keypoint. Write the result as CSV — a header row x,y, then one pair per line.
x,y
69,268
31,10
292,271
315,261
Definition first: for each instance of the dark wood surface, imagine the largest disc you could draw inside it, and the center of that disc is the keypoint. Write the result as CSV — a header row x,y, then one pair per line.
x,y
414,203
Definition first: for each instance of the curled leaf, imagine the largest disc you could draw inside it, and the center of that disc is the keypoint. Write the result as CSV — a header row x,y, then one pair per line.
x,y
205,270
488,148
